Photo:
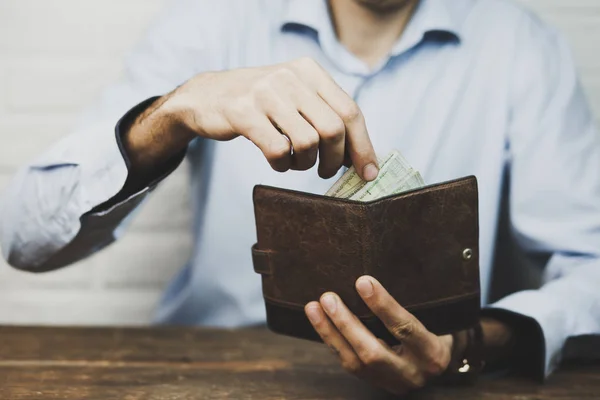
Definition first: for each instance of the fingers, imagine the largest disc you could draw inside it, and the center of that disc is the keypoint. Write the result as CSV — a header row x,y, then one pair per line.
x,y
331,131
402,324
359,144
333,338
366,346
360,149
310,124
377,359
328,125
304,138
305,104
271,142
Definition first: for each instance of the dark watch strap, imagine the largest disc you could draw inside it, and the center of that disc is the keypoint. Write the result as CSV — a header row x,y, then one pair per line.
x,y
466,369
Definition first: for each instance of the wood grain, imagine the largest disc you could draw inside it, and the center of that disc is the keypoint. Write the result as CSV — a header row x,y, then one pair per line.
x,y
188,363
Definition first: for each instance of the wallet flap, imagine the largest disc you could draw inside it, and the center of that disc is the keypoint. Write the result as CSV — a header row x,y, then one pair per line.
x,y
422,245
314,243
425,244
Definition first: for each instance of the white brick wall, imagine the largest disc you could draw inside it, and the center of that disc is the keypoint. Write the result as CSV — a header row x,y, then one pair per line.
x,y
55,56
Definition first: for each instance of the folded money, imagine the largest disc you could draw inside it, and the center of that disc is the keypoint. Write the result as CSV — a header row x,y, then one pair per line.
x,y
395,176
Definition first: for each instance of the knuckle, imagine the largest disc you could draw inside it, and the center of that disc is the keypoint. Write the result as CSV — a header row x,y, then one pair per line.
x,y
417,381
333,131
277,150
352,366
343,325
367,155
347,324
306,63
284,74
372,357
306,143
376,305
320,328
241,108
263,90
403,329
240,115
435,366
324,332
350,112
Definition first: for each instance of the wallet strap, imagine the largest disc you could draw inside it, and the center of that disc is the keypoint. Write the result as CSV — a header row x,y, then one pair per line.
x,y
262,261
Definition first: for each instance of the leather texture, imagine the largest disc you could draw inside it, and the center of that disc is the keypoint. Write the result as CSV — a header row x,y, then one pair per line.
x,y
421,245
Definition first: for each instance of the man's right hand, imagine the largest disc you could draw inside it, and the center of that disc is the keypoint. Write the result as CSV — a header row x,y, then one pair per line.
x,y
291,111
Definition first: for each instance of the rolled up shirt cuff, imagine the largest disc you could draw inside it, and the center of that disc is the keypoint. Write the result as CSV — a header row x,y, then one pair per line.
x,y
166,169
541,328
95,155
57,189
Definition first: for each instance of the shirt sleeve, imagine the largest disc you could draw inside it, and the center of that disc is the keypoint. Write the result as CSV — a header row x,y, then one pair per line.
x,y
63,205
554,148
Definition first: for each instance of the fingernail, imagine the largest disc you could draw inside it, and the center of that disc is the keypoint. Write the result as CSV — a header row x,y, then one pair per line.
x,y
364,287
370,172
329,304
313,314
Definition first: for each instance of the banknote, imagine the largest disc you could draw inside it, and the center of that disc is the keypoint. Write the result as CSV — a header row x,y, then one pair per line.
x,y
350,182
395,176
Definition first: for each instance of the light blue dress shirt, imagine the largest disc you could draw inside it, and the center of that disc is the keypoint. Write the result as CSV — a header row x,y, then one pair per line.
x,y
472,87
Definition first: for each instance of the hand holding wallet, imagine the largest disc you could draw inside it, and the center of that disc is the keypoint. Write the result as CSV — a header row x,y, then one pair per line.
x,y
422,245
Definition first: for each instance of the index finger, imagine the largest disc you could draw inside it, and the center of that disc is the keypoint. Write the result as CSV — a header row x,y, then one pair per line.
x,y
360,148
359,143
401,323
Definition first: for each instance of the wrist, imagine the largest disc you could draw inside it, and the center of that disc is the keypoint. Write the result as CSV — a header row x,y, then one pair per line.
x,y
177,108
182,107
467,357
172,115
155,136
459,345
499,341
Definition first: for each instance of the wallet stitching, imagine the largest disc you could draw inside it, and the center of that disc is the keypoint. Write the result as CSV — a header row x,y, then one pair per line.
x,y
451,299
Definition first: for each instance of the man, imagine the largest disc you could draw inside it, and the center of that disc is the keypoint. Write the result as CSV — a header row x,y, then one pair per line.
x,y
460,87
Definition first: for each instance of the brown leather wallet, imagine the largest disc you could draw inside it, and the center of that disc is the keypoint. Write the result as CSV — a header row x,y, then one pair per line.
x,y
422,245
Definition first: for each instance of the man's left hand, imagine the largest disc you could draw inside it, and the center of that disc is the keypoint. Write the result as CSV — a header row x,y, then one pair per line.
x,y
398,369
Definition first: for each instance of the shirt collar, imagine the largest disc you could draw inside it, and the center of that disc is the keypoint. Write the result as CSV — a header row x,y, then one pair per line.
x,y
313,14
439,16
431,16
437,20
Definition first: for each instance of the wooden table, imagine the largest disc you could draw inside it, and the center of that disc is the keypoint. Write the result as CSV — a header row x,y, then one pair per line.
x,y
177,363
